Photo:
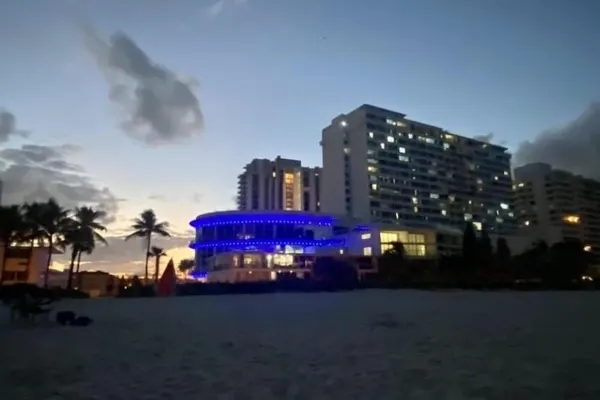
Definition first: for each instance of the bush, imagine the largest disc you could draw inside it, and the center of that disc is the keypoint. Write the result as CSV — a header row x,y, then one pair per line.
x,y
10,292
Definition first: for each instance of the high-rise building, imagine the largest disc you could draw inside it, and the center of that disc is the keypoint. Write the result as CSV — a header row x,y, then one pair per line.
x,y
548,200
381,167
280,184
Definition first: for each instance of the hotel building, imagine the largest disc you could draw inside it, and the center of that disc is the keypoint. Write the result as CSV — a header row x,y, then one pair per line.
x,y
380,167
280,184
550,200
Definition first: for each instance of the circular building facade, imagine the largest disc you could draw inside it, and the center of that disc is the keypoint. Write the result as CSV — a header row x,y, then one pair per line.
x,y
268,232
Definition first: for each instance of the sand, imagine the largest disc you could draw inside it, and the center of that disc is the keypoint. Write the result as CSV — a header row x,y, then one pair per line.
x,y
363,345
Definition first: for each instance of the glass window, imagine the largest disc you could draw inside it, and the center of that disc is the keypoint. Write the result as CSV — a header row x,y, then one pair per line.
x,y
367,251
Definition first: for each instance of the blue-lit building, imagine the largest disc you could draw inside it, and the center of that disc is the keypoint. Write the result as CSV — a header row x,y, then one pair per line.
x,y
262,242
235,246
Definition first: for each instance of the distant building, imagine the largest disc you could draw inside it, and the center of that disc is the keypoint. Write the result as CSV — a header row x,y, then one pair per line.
x,y
548,200
24,264
280,184
380,167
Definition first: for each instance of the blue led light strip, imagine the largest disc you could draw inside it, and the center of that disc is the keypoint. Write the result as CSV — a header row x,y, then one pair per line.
x,y
259,243
214,220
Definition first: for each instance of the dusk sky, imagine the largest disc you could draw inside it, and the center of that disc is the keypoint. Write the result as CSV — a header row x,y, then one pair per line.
x,y
268,75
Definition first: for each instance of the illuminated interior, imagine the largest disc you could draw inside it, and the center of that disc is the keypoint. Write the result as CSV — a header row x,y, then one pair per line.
x,y
414,243
571,219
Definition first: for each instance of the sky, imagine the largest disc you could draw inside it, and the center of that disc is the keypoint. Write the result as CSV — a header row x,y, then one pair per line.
x,y
129,105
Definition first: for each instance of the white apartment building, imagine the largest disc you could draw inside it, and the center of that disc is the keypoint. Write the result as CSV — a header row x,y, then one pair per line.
x,y
550,200
280,184
379,166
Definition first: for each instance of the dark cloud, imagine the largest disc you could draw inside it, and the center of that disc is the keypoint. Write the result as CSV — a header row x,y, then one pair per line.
x,y
36,173
574,147
8,126
158,105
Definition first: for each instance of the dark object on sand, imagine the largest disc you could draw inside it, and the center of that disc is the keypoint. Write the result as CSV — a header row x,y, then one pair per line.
x,y
82,321
28,308
65,317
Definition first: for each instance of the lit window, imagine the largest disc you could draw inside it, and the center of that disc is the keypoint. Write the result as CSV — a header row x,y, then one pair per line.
x,y
371,168
416,209
510,214
274,174
505,173
451,198
403,158
410,135
526,223
495,178
382,145
367,251
374,186
449,137
429,140
468,217
504,206
587,248
371,135
444,212
479,181
402,150
571,219
521,184
415,200
390,122
365,236
499,220
390,139
400,124
477,225
446,146
346,150
434,195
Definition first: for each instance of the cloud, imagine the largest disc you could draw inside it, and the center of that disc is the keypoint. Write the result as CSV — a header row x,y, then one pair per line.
x,y
36,173
157,197
8,126
217,8
197,197
485,138
574,147
122,256
157,105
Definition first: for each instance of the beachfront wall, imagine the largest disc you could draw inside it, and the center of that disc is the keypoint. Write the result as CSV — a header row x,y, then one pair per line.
x,y
24,265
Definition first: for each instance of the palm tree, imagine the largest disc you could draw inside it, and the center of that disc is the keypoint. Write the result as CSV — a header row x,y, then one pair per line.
x,y
143,227
186,265
32,215
82,235
157,253
54,223
12,228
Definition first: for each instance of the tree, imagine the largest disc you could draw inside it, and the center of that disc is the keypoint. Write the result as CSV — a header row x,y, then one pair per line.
x,y
144,227
53,221
83,234
485,249
186,264
157,253
12,228
32,215
392,263
469,246
503,255
568,261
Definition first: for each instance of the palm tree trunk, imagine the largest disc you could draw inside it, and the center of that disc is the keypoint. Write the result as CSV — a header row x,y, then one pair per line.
x,y
4,259
50,245
147,259
71,267
78,275
156,269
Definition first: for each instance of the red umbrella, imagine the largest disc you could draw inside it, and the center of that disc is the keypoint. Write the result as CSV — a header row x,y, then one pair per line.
x,y
167,282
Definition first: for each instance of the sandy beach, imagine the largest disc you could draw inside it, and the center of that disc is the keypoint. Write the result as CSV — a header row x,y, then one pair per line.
x,y
362,345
